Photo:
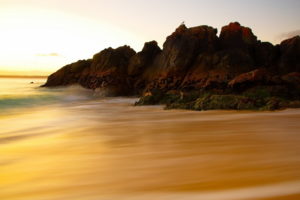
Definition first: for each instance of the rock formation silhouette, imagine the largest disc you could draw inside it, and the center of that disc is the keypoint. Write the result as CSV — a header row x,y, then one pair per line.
x,y
195,62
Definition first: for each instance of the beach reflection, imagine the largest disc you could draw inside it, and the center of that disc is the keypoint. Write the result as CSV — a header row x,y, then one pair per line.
x,y
109,149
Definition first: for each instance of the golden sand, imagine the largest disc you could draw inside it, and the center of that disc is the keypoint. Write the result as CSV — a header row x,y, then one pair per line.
x,y
113,150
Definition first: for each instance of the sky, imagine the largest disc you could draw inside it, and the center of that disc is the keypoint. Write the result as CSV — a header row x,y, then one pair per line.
x,y
37,37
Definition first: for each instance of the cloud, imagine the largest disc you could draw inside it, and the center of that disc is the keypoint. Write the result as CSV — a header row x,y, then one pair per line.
x,y
48,54
288,35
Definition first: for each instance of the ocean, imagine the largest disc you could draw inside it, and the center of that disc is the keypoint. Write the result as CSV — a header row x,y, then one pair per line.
x,y
73,143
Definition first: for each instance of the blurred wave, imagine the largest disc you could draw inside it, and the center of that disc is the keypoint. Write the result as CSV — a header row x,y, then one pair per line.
x,y
26,101
24,92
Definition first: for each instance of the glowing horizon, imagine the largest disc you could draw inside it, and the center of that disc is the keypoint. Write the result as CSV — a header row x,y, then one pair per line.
x,y
42,36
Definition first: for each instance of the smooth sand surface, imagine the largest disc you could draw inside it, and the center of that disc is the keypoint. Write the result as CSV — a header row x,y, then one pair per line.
x,y
109,149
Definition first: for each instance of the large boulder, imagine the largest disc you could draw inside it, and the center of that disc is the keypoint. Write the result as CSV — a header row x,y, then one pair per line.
x,y
292,79
111,60
266,54
233,56
179,53
140,64
290,55
68,74
182,47
108,71
250,79
215,70
236,36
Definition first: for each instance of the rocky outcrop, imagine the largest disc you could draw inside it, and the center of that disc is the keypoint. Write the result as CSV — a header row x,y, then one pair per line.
x,y
140,62
250,79
215,70
69,74
265,55
292,79
140,65
193,62
108,71
179,53
235,36
231,56
290,55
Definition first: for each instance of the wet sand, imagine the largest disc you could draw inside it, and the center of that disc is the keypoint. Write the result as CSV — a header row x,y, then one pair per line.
x,y
109,149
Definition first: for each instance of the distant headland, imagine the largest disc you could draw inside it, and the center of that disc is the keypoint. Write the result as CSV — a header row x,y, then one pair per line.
x,y
196,69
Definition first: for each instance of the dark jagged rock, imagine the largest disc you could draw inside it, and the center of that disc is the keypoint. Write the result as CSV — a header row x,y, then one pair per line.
x,y
250,79
236,36
290,55
215,70
108,71
292,79
68,74
140,64
196,69
223,59
265,54
111,60
142,60
179,53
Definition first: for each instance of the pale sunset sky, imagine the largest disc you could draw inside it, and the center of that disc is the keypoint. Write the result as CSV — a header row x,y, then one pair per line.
x,y
37,37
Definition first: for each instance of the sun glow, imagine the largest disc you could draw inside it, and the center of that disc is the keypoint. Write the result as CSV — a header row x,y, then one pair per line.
x,y
42,36
44,40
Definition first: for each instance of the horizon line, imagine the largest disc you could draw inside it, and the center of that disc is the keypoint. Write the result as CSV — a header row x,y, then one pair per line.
x,y
23,76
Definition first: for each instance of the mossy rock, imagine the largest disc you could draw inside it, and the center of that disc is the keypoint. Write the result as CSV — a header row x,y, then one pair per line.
x,y
257,92
245,103
147,100
186,100
274,103
226,102
180,105
158,97
208,101
294,104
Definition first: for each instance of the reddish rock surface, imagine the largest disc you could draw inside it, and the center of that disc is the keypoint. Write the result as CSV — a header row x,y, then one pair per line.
x,y
292,78
215,70
236,36
108,71
290,55
141,64
258,76
179,53
68,74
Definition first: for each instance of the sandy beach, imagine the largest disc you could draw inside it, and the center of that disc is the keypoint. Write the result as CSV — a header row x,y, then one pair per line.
x,y
110,149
